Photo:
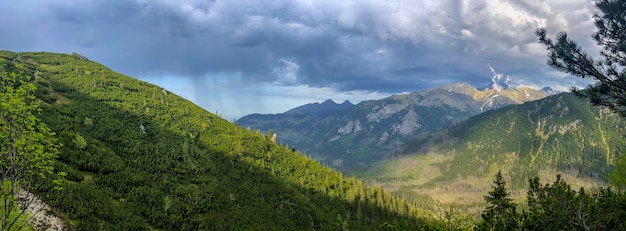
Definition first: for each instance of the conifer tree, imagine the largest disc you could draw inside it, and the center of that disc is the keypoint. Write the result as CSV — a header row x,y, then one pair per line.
x,y
501,212
557,207
567,56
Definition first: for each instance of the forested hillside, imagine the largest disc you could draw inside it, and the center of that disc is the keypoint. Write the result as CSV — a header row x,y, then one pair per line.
x,y
561,134
138,157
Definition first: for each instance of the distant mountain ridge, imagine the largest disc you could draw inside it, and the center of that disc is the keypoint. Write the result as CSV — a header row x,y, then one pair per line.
x,y
364,133
318,109
495,97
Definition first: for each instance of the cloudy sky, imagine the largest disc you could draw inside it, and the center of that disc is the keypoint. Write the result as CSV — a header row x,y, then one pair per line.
x,y
238,57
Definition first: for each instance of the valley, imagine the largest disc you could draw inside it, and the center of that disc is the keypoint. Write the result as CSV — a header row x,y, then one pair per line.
x,y
558,134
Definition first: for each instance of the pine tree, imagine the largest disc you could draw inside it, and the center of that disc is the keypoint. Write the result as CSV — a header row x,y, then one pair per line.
x,y
567,56
557,207
501,213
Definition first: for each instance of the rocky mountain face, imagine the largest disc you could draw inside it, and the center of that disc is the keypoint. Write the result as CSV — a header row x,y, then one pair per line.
x,y
362,134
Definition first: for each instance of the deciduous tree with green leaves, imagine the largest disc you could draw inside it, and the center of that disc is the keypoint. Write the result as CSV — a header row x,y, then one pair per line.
x,y
609,70
27,149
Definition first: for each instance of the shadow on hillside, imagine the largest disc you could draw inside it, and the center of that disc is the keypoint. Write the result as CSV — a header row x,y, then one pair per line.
x,y
145,172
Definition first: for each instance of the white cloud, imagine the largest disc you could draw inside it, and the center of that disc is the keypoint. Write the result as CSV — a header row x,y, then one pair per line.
x,y
466,34
286,71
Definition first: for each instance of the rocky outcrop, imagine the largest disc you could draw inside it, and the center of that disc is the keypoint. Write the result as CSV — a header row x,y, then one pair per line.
x,y
382,112
407,125
352,126
44,216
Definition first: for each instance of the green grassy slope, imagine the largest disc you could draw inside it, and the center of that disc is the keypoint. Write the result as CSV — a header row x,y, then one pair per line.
x,y
141,158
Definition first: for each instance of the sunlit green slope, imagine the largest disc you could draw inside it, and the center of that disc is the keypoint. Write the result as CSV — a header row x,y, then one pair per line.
x,y
561,134
141,158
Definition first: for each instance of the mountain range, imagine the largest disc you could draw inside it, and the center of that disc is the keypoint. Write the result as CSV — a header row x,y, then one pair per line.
x,y
353,137
450,140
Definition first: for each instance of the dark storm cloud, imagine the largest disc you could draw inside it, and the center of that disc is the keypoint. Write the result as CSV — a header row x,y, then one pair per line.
x,y
386,46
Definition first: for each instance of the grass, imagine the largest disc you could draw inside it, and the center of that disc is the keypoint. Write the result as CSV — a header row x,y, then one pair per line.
x,y
437,182
415,169
346,140
88,177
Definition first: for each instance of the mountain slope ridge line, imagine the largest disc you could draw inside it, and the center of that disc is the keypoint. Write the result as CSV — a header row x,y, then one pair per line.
x,y
138,157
